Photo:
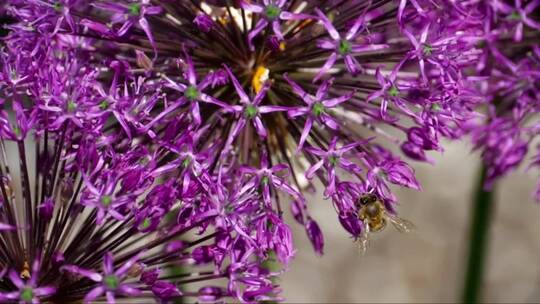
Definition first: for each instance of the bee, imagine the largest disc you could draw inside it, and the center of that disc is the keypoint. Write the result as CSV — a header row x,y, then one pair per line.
x,y
375,216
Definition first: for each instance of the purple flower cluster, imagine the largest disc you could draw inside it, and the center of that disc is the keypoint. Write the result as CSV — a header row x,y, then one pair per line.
x,y
507,75
160,142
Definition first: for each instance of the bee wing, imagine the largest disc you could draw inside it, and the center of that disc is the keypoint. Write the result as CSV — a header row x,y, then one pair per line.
x,y
363,241
401,225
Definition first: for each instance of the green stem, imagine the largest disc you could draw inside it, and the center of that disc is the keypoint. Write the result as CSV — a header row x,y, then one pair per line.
x,y
482,212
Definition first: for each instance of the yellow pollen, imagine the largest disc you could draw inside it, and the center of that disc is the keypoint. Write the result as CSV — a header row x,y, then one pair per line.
x,y
224,19
25,273
259,78
282,46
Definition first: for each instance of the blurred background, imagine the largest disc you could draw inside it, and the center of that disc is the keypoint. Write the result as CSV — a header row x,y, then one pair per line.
x,y
426,265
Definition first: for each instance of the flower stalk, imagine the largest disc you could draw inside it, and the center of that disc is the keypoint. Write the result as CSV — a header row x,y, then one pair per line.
x,y
481,219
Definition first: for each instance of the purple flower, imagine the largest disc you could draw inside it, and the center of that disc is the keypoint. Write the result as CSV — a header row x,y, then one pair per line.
x,y
103,198
506,80
269,179
316,107
390,92
203,22
518,15
331,158
165,290
128,15
315,235
28,291
46,209
109,282
192,93
182,159
249,110
272,11
344,46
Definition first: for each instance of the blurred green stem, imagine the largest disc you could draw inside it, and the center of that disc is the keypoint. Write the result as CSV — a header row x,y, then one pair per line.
x,y
482,212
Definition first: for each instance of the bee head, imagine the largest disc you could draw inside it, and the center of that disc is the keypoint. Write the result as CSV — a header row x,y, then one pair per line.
x,y
367,198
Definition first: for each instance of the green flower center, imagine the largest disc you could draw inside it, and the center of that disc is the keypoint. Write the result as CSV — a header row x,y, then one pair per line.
x,y
317,109
229,208
16,130
272,11
71,106
333,160
111,281
427,50
186,162
435,107
514,16
393,91
27,294
134,9
146,223
58,6
191,93
265,180
250,111
106,200
104,105
345,47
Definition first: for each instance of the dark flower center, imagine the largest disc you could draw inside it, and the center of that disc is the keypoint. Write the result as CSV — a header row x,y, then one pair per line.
x,y
272,11
58,6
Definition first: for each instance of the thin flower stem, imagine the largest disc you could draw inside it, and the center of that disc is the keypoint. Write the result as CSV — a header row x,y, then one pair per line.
x,y
27,197
478,241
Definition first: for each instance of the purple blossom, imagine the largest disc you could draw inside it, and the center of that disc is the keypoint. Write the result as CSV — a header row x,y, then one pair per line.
x,y
128,15
331,158
110,281
203,22
344,46
192,93
182,159
249,110
316,107
271,12
28,291
315,235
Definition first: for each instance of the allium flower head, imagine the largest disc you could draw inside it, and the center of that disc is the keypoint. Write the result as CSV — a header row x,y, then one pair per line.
x,y
508,78
176,134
